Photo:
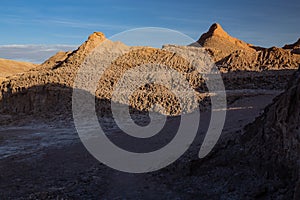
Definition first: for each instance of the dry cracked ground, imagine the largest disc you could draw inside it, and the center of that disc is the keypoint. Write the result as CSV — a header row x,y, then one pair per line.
x,y
256,157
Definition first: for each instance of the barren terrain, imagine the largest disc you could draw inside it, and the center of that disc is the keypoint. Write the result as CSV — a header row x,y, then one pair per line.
x,y
257,156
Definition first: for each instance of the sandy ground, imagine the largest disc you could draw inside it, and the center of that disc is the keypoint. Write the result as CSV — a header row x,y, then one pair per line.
x,y
45,162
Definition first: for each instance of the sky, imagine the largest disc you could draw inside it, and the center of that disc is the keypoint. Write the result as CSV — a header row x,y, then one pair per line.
x,y
34,29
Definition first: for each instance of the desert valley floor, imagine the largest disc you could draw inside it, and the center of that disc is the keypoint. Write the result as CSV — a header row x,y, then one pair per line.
x,y
50,161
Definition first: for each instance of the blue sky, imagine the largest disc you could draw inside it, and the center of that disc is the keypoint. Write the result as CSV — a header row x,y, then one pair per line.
x,y
69,22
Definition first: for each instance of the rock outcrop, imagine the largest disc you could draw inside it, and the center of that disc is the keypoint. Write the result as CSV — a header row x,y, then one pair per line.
x,y
232,54
56,60
265,59
221,44
295,47
49,89
272,141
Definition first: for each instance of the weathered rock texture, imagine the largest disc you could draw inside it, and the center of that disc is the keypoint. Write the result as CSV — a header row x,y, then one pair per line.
x,y
48,88
55,60
273,139
149,94
221,44
232,54
271,143
295,47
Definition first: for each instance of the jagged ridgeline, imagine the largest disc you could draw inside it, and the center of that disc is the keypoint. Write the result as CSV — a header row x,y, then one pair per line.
x,y
48,87
232,54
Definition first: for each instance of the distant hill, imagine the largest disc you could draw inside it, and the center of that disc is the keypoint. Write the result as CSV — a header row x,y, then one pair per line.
x,y
11,67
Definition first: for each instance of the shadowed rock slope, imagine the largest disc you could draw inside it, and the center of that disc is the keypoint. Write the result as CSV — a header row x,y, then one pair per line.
x,y
273,139
262,162
295,47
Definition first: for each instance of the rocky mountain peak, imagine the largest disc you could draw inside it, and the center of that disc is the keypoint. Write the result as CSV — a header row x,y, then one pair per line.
x,y
75,58
217,30
218,41
93,41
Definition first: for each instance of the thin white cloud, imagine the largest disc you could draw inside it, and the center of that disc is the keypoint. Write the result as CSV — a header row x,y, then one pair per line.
x,y
80,24
32,53
14,19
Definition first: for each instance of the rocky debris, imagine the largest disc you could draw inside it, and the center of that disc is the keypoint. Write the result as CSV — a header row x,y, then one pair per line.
x,y
148,95
266,59
277,58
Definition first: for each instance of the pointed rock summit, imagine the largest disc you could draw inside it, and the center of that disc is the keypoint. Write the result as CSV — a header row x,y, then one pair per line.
x,y
220,43
94,40
215,30
232,54
75,58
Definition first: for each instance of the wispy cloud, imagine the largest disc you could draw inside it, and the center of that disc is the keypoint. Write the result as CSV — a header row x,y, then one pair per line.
x,y
32,53
79,24
14,19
